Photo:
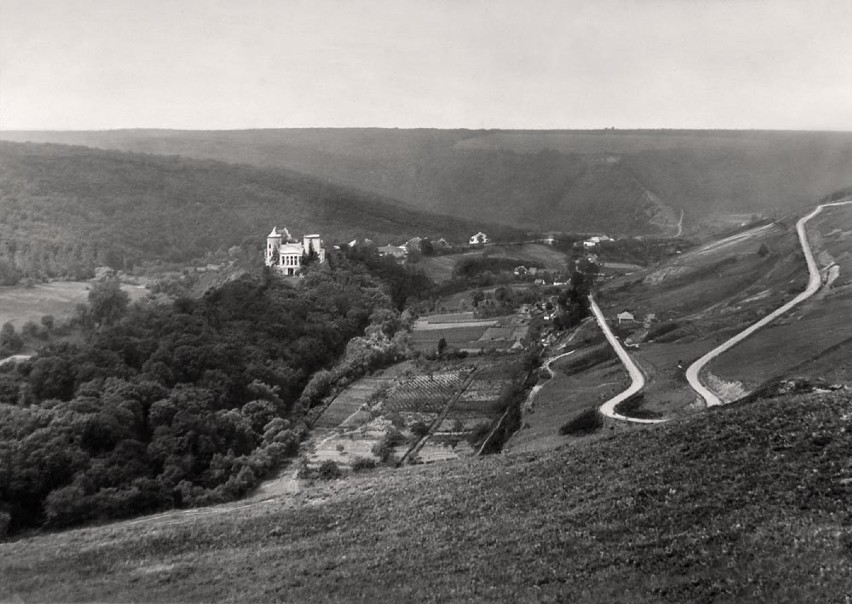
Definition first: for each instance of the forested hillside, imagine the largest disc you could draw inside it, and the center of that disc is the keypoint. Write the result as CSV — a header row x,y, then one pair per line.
x,y
189,403
65,210
619,181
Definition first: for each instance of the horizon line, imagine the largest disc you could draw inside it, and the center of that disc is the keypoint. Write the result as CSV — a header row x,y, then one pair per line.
x,y
489,129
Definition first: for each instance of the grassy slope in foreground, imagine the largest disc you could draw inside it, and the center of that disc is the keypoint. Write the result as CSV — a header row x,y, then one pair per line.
x,y
742,503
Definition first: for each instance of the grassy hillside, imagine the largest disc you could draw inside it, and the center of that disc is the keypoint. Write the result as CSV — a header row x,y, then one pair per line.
x,y
619,181
693,301
739,504
63,207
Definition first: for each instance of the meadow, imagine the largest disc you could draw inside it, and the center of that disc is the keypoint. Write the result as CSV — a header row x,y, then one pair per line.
x,y
19,303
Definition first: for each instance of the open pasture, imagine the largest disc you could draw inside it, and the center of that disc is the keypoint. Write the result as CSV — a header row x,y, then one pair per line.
x,y
745,274
19,304
792,346
561,399
440,268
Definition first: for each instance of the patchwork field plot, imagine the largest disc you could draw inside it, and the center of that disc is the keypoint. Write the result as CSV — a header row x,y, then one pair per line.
x,y
359,395
425,393
458,400
462,331
351,400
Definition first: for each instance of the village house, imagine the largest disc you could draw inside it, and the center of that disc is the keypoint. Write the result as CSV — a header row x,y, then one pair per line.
x,y
594,241
400,252
625,317
479,238
286,254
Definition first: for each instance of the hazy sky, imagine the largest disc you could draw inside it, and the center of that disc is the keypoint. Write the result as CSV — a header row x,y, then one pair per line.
x,y
86,64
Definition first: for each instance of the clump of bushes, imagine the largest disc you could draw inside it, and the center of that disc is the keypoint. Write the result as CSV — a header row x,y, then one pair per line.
x,y
361,464
587,422
419,429
479,432
329,470
385,447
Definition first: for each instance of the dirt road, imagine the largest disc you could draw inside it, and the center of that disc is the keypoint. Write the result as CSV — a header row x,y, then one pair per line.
x,y
814,283
637,379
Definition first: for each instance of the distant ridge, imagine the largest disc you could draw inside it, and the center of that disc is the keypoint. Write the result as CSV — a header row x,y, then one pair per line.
x,y
624,181
74,204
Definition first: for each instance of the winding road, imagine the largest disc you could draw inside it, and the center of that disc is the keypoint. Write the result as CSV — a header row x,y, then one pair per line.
x,y
637,378
814,283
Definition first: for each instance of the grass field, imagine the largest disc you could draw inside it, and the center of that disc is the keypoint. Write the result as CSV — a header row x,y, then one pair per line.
x,y
795,344
747,503
562,398
19,304
440,268
706,295
462,331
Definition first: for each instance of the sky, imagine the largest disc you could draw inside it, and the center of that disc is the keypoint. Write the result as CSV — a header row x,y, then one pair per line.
x,y
224,64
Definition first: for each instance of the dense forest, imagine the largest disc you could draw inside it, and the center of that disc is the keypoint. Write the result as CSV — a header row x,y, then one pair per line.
x,y
66,210
186,403
616,181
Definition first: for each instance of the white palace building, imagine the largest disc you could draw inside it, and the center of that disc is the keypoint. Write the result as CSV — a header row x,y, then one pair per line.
x,y
286,254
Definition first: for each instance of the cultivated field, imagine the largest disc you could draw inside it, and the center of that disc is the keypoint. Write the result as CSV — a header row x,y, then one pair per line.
x,y
455,399
359,396
462,331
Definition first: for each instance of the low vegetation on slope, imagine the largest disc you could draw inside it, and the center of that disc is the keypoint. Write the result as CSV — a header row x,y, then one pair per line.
x,y
746,503
625,181
66,210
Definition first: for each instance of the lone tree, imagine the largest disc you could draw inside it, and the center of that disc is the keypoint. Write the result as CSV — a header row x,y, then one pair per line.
x,y
9,340
108,302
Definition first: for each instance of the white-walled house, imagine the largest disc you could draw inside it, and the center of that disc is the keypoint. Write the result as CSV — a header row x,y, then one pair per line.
x,y
625,317
479,238
285,254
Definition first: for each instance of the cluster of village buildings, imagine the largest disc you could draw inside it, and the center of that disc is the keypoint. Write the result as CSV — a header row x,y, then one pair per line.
x,y
288,254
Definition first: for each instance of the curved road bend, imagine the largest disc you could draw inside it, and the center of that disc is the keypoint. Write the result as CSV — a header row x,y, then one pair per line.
x,y
637,379
814,282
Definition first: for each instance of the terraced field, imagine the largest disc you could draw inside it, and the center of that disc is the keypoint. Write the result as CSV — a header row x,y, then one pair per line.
x,y
455,398
425,393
